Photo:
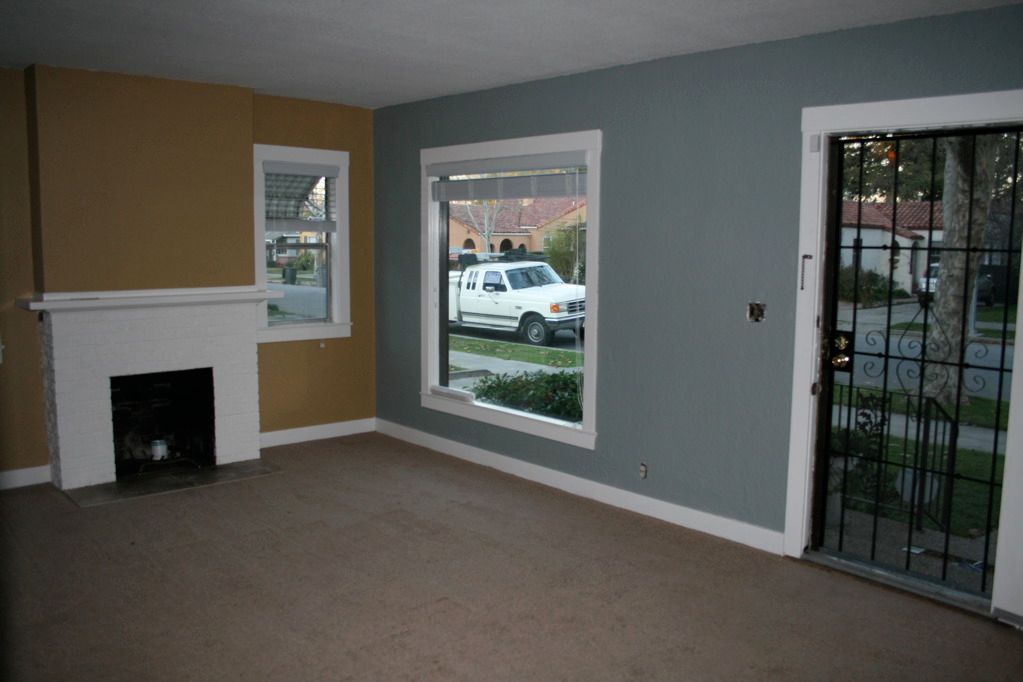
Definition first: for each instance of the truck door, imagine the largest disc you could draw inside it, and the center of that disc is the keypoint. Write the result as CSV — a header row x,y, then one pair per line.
x,y
485,304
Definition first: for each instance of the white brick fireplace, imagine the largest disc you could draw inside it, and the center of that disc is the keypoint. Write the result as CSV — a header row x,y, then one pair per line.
x,y
87,339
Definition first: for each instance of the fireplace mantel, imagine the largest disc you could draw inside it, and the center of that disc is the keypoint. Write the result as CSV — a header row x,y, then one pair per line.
x,y
144,298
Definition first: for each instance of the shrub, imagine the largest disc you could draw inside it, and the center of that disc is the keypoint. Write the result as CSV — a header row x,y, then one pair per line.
x,y
873,286
556,394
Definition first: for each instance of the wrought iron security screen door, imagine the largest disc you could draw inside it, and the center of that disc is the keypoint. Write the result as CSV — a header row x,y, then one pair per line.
x,y
923,270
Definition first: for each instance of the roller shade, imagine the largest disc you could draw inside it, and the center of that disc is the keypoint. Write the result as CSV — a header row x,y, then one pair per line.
x,y
290,168
514,187
299,225
526,162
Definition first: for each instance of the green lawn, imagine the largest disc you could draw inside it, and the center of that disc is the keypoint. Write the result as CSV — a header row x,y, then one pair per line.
x,y
969,493
540,355
995,313
978,412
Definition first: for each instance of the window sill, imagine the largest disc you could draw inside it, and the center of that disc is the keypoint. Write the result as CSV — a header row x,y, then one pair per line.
x,y
304,332
544,427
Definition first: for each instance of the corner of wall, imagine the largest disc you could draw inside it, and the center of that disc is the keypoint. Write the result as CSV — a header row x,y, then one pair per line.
x,y
22,424
31,74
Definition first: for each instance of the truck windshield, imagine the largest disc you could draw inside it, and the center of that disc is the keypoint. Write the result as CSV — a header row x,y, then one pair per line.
x,y
535,276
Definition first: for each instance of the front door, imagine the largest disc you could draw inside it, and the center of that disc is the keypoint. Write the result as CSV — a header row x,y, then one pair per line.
x,y
919,332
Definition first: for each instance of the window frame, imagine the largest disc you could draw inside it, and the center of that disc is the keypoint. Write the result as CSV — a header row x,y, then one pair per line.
x,y
461,403
339,305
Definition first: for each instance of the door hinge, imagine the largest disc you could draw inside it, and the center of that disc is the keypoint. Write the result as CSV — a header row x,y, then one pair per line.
x,y
815,388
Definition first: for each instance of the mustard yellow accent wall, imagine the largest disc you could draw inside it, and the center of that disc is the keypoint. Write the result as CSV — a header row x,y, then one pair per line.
x,y
142,183
22,420
124,182
300,383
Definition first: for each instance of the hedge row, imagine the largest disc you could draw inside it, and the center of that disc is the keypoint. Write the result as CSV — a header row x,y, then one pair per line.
x,y
556,394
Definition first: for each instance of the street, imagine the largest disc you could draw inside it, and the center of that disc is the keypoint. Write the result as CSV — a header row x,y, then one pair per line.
x,y
300,302
903,347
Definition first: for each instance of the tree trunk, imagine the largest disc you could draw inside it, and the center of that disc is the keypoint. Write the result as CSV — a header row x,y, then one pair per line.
x,y
489,210
968,174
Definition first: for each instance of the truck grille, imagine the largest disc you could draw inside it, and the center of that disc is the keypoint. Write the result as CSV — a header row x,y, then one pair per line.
x,y
577,306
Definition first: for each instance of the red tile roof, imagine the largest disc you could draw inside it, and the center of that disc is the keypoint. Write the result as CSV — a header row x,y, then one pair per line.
x,y
915,215
514,217
912,215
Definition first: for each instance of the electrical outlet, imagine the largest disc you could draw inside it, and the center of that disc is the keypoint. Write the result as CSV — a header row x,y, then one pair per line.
x,y
642,470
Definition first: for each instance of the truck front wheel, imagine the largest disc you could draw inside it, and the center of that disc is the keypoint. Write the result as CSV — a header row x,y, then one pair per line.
x,y
536,332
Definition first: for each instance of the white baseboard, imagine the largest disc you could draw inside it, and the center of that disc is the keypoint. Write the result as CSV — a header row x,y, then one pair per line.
x,y
19,478
737,531
288,436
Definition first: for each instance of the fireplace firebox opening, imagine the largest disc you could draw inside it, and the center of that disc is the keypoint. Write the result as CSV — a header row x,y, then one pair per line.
x,y
163,421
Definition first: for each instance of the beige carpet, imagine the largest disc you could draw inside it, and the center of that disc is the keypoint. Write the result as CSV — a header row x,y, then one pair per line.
x,y
370,559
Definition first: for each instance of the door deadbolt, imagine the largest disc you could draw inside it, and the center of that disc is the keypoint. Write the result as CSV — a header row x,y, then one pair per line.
x,y
841,351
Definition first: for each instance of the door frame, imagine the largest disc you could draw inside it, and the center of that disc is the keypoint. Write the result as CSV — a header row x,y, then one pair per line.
x,y
818,123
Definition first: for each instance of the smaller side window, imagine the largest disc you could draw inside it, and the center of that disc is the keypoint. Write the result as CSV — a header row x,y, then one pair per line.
x,y
301,238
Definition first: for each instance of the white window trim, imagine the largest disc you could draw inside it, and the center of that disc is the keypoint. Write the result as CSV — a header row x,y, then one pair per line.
x,y
436,397
340,299
897,115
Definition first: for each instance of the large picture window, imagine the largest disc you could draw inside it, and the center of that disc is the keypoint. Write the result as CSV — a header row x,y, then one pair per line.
x,y
510,333
301,223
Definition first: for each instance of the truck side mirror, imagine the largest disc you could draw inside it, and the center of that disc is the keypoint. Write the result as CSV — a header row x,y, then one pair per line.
x,y
490,288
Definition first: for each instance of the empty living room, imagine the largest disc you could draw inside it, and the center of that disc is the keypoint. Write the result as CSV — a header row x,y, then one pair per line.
x,y
720,385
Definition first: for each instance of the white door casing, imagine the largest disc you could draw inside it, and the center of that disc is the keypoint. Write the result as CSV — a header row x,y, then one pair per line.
x,y
818,124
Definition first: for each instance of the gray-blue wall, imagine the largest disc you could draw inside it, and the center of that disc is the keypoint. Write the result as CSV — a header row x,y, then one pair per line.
x,y
700,213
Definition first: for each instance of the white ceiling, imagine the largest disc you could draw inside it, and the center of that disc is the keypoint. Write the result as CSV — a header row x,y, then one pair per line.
x,y
374,53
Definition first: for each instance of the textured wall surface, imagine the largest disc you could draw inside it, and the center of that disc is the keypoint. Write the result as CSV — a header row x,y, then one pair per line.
x,y
22,425
700,210
141,183
304,383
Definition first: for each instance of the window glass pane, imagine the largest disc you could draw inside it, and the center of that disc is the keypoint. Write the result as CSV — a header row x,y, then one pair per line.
x,y
297,254
516,317
298,265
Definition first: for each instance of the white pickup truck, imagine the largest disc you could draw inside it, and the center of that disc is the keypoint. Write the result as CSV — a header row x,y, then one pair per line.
x,y
523,296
